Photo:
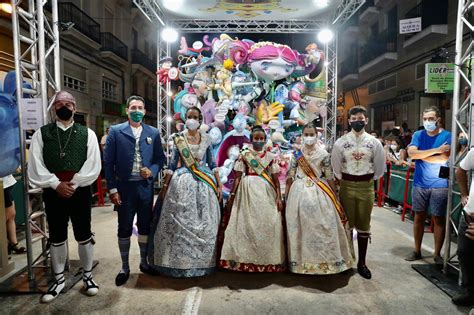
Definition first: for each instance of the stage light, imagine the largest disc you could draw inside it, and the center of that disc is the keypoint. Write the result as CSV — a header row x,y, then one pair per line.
x,y
173,5
169,35
321,3
6,7
169,93
325,36
169,119
326,63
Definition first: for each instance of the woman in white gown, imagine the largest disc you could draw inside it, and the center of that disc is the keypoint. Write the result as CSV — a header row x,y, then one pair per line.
x,y
184,242
252,225
318,237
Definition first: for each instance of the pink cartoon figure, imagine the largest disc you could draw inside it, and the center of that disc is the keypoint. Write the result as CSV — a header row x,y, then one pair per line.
x,y
268,61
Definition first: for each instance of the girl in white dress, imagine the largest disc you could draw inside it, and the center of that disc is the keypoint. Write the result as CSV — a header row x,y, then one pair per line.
x,y
317,231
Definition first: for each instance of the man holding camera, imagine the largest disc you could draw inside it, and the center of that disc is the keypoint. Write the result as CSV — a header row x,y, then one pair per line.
x,y
430,148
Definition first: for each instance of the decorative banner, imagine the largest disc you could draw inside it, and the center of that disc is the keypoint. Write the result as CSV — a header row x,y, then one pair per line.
x,y
410,25
439,77
32,113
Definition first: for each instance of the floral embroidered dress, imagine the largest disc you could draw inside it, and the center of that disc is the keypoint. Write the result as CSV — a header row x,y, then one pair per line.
x,y
184,241
253,237
318,240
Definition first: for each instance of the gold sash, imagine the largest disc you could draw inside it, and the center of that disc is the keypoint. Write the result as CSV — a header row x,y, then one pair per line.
x,y
252,162
308,170
191,163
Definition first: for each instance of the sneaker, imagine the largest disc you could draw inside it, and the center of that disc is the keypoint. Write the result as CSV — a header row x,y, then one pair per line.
x,y
464,298
90,286
54,290
414,256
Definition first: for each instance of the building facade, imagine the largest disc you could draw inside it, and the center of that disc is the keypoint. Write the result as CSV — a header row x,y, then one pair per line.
x,y
108,54
385,71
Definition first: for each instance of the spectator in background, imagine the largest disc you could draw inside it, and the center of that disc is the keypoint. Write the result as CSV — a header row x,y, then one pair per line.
x,y
394,152
430,148
13,245
466,234
103,140
406,133
461,146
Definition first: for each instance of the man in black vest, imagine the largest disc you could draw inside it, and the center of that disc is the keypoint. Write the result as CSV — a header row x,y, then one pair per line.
x,y
65,161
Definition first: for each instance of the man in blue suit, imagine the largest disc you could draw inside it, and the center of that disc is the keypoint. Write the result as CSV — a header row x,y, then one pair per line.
x,y
133,157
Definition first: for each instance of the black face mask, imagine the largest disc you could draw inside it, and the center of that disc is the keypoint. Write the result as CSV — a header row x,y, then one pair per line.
x,y
64,113
358,125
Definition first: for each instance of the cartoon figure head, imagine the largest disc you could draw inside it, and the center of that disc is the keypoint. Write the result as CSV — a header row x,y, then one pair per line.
x,y
216,135
239,123
267,60
271,62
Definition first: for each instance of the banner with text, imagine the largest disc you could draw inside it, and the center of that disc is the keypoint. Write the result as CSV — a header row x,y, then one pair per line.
x,y
439,77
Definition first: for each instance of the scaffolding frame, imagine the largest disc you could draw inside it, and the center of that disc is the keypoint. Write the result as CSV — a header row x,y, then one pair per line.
x,y
154,13
462,115
31,64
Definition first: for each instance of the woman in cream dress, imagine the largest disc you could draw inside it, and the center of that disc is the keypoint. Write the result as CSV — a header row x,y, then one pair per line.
x,y
318,237
252,226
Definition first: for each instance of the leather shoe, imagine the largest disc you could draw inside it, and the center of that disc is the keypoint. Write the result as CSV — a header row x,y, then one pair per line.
x,y
148,270
121,278
364,272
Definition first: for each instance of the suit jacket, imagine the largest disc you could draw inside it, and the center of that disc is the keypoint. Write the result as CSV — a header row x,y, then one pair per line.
x,y
120,152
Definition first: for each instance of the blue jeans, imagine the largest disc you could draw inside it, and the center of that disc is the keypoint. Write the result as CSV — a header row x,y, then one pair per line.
x,y
137,198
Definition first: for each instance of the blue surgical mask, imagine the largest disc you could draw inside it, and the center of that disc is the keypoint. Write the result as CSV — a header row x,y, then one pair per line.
x,y
429,125
463,141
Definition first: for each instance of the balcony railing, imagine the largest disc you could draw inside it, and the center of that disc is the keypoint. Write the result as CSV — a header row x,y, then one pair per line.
x,y
432,12
68,12
111,43
142,59
349,66
379,45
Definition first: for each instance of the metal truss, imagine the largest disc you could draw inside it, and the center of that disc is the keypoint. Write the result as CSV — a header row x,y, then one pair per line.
x,y
248,26
36,62
461,118
151,10
330,130
346,9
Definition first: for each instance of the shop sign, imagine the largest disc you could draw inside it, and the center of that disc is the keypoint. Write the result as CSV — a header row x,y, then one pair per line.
x,y
439,77
410,25
31,113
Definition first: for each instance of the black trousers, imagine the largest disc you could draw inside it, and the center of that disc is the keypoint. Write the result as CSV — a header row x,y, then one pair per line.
x,y
466,256
59,210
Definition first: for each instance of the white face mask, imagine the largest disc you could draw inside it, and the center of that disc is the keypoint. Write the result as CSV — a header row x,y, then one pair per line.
x,y
192,124
393,147
309,140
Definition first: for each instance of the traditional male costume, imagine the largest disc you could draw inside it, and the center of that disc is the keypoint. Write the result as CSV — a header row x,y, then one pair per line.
x,y
357,161
66,154
127,151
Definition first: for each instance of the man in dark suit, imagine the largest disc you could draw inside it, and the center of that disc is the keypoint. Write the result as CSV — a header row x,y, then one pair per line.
x,y
133,158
